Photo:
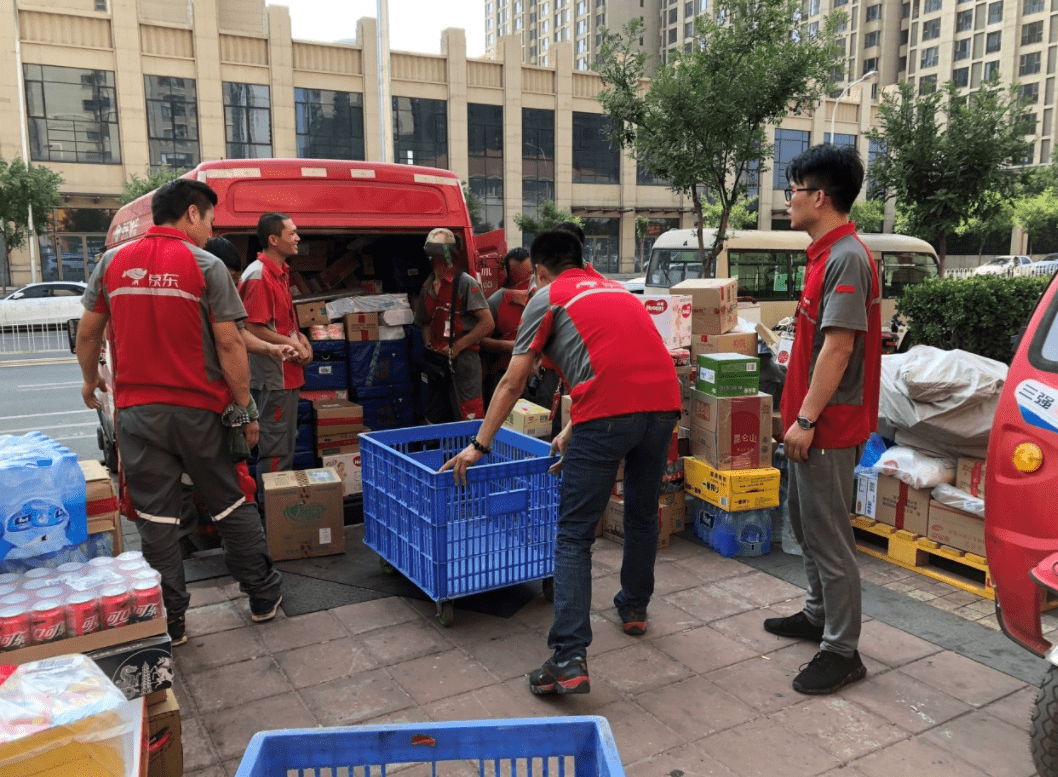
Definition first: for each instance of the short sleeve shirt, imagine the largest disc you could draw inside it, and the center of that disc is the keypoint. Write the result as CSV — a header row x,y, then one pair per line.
x,y
265,290
471,300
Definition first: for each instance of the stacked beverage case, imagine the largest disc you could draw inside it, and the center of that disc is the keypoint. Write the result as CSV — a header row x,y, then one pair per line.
x,y
75,599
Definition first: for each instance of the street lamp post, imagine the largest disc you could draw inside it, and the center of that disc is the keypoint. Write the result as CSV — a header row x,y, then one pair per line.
x,y
845,91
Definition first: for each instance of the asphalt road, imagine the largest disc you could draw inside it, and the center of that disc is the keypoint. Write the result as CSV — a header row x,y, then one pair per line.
x,y
45,395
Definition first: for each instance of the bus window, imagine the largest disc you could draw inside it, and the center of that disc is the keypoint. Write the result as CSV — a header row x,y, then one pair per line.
x,y
765,275
901,269
669,266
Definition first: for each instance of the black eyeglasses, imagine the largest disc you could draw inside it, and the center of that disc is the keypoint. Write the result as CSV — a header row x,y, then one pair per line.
x,y
790,192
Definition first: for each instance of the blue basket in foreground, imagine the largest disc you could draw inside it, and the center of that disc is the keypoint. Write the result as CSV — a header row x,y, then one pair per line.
x,y
452,541
535,747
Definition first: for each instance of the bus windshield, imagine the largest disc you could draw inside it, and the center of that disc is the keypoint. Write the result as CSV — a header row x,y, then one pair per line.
x,y
669,266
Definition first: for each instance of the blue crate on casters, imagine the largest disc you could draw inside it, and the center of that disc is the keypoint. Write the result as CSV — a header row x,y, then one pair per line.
x,y
450,540
577,746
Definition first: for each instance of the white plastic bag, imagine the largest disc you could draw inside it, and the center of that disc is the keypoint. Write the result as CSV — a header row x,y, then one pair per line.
x,y
915,468
959,499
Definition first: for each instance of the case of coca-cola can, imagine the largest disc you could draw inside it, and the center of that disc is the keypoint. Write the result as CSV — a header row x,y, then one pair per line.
x,y
47,621
146,601
14,628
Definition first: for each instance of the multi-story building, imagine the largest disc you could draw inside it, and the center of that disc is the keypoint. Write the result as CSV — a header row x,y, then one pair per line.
x,y
115,88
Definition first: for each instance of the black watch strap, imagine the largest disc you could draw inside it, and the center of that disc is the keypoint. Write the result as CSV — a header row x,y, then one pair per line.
x,y
479,447
804,423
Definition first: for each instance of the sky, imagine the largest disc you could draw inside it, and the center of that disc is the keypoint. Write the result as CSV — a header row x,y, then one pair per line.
x,y
414,25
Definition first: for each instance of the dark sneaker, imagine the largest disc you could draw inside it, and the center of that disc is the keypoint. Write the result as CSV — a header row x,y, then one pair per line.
x,y
177,632
568,677
828,672
264,609
634,622
797,626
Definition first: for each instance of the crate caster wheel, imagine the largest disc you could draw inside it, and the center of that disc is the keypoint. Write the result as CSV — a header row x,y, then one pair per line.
x,y
446,614
387,568
549,589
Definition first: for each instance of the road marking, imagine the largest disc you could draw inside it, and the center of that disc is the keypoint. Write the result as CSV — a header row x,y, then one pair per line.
x,y
42,428
35,362
41,415
48,386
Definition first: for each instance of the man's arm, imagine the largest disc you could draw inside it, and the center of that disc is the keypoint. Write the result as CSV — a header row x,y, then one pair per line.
x,y
233,362
831,363
492,345
258,346
484,326
89,342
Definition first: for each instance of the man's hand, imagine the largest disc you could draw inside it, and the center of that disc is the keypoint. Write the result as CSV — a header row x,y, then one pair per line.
x,y
459,463
797,441
283,353
558,445
88,393
253,433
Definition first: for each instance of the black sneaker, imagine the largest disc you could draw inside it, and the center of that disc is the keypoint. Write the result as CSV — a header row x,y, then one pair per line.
x,y
828,672
634,622
177,631
568,677
797,626
264,609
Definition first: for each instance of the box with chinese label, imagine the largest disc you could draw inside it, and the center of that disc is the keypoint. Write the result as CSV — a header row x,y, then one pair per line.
x,y
671,314
728,374
304,516
714,303
732,490
529,418
731,432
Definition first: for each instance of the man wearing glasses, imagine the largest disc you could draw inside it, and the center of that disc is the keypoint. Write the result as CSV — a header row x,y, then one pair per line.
x,y
829,409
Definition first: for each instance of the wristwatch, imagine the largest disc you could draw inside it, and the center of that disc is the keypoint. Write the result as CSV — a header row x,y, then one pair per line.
x,y
804,423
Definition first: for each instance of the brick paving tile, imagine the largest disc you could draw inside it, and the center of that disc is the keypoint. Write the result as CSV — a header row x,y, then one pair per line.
x,y
799,652
637,668
239,683
375,614
946,604
211,618
915,758
198,751
710,566
901,586
670,577
350,700
209,771
441,675
760,588
231,729
603,590
843,728
536,616
922,596
1015,709
602,694
491,702
762,684
231,768
314,664
989,622
709,602
763,748
662,618
686,760
221,649
302,630
748,628
638,733
992,745
982,606
891,646
963,678
695,708
206,592
905,701
607,635
472,627
515,655
403,642
680,548
704,649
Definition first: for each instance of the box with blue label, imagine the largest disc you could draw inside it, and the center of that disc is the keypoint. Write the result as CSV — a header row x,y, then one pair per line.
x,y
379,363
303,513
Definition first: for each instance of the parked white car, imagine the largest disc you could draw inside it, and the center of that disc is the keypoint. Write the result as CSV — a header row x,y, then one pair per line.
x,y
1002,264
49,302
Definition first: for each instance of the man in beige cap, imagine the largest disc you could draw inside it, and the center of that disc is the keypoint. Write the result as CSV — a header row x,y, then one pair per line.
x,y
452,336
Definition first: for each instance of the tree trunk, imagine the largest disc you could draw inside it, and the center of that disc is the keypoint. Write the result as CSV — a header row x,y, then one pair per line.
x,y
707,270
942,252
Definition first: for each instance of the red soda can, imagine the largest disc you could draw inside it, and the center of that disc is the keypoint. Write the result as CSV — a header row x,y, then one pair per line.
x,y
37,584
37,572
82,615
115,607
146,601
47,622
15,600
14,629
52,592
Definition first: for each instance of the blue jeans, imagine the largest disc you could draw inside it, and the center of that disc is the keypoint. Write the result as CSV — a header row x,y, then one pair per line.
x,y
589,469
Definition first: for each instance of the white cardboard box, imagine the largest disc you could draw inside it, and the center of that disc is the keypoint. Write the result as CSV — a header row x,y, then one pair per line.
x,y
347,467
671,314
867,494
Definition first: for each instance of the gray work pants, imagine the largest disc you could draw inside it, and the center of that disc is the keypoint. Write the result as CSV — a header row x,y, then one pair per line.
x,y
157,444
278,421
822,493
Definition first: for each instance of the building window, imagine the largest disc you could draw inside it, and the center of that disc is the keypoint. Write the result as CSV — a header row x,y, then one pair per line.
x,y
905,11
1028,123
993,42
870,40
247,120
903,37
1030,93
964,21
420,132
646,178
101,5
931,29
930,57
688,29
961,76
172,122
595,159
672,35
582,63
931,6
788,144
1030,64
874,12
1032,6
485,156
73,240
962,49
813,8
840,139
538,158
72,114
672,16
991,68
995,12
927,84
1031,33
330,125
875,149
869,65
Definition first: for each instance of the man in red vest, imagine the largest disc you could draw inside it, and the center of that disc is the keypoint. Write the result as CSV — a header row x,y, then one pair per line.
x,y
506,306
181,381
829,409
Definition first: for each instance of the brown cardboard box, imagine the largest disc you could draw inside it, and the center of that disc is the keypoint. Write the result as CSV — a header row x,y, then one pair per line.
x,y
731,432
613,521
714,302
956,529
673,508
165,747
303,513
360,327
338,417
108,523
311,314
529,418
732,342
970,476
567,404
901,506
732,490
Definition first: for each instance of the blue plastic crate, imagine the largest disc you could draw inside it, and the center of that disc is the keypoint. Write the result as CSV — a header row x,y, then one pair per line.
x,y
451,541
392,413
379,362
326,375
581,746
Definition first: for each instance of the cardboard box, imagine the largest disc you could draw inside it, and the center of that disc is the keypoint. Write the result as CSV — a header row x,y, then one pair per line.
x,y
317,394
970,476
110,523
138,668
336,417
87,643
567,406
901,506
956,529
361,326
348,467
164,738
529,418
867,495
728,374
714,303
311,314
671,314
732,490
731,432
613,521
303,513
673,510
732,342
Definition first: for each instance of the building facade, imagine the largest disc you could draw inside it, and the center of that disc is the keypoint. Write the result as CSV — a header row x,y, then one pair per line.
x,y
110,89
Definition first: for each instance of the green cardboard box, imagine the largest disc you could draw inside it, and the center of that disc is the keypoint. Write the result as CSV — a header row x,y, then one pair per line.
x,y
728,374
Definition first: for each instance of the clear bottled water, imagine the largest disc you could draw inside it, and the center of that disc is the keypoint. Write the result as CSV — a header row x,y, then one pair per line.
x,y
745,533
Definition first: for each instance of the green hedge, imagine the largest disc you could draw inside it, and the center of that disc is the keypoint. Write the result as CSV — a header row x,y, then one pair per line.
x,y
978,314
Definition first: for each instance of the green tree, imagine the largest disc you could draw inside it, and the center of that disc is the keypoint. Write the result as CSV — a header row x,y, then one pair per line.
x,y
548,216
474,206
944,154
701,122
24,188
869,215
739,217
1037,216
995,215
642,228
136,187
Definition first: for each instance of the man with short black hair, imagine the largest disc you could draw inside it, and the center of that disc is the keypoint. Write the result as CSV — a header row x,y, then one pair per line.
x,y
180,378
270,316
829,409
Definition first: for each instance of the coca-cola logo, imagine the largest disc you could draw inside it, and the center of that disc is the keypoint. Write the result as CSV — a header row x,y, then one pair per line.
x,y
656,307
47,634
147,611
118,618
88,623
14,640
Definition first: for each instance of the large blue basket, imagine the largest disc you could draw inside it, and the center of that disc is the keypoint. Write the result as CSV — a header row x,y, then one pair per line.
x,y
452,540
536,747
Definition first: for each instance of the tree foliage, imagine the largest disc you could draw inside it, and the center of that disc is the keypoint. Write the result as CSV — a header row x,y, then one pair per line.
x,y
869,215
1037,216
944,155
739,217
474,206
548,217
701,121
23,187
995,215
136,187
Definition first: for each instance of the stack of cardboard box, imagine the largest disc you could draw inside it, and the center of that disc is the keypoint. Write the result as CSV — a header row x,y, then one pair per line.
x,y
102,503
339,424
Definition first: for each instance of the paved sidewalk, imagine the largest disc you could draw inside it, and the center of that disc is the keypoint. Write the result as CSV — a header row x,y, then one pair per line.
x,y
705,692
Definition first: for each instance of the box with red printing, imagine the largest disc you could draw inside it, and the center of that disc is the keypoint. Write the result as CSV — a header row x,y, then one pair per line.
x,y
671,314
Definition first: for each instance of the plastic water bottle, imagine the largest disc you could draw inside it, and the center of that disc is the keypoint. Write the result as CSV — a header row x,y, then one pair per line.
x,y
701,514
744,533
782,512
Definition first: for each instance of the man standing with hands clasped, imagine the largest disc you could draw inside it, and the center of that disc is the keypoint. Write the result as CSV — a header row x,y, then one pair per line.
x,y
829,409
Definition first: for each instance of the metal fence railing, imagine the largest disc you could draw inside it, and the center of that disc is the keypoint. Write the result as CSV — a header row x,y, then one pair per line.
x,y
28,339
